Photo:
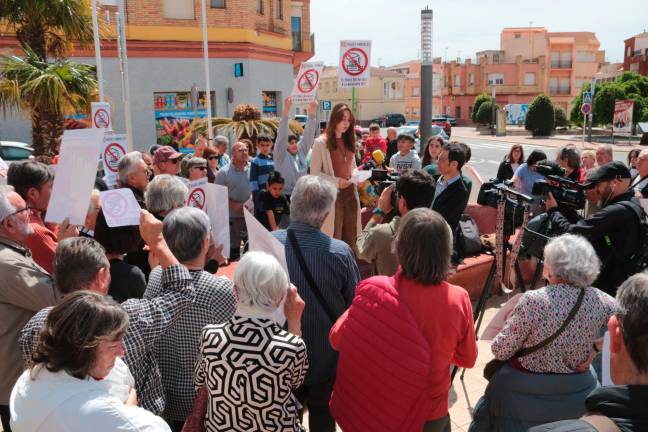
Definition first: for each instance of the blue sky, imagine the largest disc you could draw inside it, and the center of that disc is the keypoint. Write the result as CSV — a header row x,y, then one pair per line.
x,y
466,26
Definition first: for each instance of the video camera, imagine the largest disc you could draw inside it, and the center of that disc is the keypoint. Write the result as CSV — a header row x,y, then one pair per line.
x,y
568,193
489,195
385,180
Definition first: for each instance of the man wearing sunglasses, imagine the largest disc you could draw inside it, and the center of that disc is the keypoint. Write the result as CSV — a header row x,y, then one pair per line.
x,y
621,407
167,160
26,288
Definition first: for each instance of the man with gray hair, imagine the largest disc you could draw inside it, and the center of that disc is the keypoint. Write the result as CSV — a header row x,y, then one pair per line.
x,y
621,407
187,231
165,193
134,174
26,289
604,154
325,272
221,142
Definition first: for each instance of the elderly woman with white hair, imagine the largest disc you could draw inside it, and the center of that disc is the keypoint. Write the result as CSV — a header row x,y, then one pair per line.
x,y
546,343
250,365
165,193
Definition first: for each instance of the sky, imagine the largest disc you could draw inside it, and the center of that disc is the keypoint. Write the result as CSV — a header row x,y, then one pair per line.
x,y
466,26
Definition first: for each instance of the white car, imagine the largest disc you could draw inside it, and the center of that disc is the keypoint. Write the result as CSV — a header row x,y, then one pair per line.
x,y
12,151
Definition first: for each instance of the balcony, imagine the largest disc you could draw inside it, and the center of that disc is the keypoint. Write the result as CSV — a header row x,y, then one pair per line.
x,y
561,64
559,91
270,27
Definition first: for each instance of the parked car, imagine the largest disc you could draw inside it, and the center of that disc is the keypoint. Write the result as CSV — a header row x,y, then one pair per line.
x,y
12,151
444,123
301,119
390,119
413,123
414,130
451,120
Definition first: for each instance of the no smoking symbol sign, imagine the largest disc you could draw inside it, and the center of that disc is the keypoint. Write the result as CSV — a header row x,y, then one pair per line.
x,y
112,154
197,198
101,118
115,205
308,81
354,61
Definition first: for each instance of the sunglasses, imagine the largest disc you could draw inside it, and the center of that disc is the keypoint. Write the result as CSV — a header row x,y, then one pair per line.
x,y
213,158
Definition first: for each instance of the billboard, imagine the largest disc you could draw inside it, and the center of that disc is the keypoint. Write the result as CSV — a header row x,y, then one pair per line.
x,y
516,113
622,120
173,116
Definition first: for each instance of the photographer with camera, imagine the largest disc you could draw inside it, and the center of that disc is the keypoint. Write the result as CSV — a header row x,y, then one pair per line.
x,y
614,230
413,189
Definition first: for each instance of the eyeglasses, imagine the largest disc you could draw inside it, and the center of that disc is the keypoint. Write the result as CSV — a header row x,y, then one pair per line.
x,y
26,209
213,158
174,161
201,168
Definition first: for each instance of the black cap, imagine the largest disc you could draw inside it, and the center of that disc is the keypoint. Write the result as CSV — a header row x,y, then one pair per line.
x,y
407,136
609,171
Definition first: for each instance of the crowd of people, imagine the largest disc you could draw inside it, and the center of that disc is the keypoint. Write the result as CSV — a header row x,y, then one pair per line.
x,y
128,328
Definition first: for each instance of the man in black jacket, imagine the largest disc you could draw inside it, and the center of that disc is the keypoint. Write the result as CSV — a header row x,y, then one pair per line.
x,y
451,193
621,407
613,230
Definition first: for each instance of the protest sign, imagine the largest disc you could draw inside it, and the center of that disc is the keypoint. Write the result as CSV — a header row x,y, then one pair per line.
x,y
75,175
101,117
306,83
120,208
115,146
355,58
213,200
260,240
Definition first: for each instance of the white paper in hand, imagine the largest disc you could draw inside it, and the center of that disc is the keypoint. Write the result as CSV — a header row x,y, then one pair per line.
x,y
75,175
120,208
360,176
606,379
262,241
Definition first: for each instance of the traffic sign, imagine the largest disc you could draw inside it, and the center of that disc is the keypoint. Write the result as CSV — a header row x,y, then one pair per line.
x,y
354,70
586,108
326,105
587,97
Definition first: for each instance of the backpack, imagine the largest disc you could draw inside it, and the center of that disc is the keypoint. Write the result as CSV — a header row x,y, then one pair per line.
x,y
638,262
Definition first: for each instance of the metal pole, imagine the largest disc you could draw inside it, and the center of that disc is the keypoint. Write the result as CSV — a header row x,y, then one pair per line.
x,y
210,132
97,46
121,24
425,126
591,114
353,100
494,110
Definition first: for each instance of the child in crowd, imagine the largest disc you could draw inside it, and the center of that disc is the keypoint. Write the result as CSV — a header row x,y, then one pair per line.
x,y
374,142
262,165
406,158
271,204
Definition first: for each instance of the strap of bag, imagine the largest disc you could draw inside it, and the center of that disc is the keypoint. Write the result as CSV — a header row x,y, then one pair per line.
x,y
544,343
601,423
309,277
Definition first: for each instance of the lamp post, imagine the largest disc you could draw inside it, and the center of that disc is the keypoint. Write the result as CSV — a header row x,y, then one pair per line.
x,y
97,45
425,126
210,132
123,55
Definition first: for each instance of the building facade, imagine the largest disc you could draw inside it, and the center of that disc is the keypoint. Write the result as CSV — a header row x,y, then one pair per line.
x,y
412,72
254,48
635,55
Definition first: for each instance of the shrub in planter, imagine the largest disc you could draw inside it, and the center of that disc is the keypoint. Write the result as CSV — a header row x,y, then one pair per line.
x,y
560,118
540,117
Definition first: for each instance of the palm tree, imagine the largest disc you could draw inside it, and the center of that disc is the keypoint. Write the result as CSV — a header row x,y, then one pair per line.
x,y
48,90
48,26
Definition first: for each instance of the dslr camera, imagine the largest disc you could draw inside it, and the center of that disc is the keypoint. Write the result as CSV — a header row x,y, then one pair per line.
x,y
568,193
385,180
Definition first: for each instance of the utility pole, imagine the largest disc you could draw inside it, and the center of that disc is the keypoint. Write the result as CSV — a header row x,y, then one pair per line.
x,y
121,45
425,125
494,110
210,132
97,45
591,114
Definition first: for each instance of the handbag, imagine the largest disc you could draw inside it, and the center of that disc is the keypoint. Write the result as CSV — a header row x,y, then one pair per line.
x,y
494,365
309,277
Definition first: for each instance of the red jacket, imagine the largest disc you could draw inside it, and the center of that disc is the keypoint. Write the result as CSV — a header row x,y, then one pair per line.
x,y
371,144
397,342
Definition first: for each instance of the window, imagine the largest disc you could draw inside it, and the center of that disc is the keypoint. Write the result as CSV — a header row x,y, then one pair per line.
x,y
585,56
517,36
178,9
416,91
564,86
457,80
565,59
496,58
10,153
555,59
259,7
579,82
220,4
553,85
279,9
295,29
495,78
471,79
529,78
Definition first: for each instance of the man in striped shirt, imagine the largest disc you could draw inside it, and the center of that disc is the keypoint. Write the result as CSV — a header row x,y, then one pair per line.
x,y
335,273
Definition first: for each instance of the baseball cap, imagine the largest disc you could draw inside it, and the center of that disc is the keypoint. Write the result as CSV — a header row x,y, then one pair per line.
x,y
165,154
609,171
196,162
407,136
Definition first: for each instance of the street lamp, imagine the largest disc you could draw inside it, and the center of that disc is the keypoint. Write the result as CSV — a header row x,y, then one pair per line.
x,y
425,125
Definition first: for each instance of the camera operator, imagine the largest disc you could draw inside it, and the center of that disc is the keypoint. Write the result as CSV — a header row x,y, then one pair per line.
x,y
613,230
569,159
415,188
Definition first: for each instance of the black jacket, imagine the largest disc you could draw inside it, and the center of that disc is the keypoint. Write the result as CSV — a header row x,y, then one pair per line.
x,y
452,202
505,171
392,149
624,405
614,232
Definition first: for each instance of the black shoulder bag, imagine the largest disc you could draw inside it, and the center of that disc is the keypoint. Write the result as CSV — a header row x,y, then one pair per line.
x,y
309,277
494,365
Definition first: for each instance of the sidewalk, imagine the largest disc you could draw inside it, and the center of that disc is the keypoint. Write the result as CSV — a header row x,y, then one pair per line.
x,y
557,141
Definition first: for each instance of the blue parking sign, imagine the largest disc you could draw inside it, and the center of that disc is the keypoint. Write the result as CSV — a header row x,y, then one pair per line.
x,y
325,105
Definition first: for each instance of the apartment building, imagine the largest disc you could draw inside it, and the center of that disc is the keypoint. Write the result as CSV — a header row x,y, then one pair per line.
x,y
635,55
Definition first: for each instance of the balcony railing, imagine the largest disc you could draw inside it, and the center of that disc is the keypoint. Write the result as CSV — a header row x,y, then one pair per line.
x,y
561,64
270,28
556,91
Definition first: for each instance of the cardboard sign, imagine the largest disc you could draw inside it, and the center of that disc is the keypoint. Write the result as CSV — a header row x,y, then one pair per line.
x,y
355,59
120,208
306,83
100,116
115,146
260,240
75,175
213,200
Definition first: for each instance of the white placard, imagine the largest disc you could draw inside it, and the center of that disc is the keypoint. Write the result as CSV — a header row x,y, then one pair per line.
x,y
260,240
213,200
360,176
354,69
120,208
75,176
306,82
115,146
606,379
101,116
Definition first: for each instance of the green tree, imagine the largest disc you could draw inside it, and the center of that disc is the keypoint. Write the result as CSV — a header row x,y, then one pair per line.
x,y
485,113
480,99
48,90
540,117
560,118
